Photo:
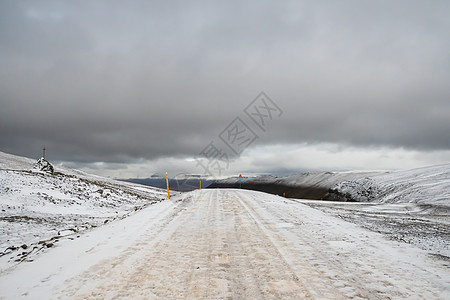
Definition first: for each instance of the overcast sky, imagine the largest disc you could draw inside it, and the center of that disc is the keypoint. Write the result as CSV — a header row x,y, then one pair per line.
x,y
135,88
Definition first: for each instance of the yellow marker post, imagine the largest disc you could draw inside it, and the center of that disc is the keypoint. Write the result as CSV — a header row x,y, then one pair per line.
x,y
167,181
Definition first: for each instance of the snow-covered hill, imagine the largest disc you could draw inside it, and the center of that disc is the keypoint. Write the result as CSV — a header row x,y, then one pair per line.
x,y
37,209
305,186
408,206
426,187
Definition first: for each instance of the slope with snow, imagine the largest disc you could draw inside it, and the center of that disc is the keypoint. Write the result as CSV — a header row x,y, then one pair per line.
x,y
410,206
305,186
38,209
426,187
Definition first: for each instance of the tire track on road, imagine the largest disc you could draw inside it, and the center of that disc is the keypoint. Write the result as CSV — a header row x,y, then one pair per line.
x,y
319,287
357,262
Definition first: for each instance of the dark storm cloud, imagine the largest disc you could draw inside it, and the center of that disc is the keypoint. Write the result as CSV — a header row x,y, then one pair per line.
x,y
117,81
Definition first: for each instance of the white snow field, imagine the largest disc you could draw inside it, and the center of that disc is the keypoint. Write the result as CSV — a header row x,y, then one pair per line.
x,y
38,210
229,244
412,206
427,188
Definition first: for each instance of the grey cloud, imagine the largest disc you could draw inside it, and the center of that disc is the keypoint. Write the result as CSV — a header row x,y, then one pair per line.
x,y
114,81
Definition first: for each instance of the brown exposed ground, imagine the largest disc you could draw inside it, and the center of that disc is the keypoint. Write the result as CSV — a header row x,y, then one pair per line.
x,y
300,191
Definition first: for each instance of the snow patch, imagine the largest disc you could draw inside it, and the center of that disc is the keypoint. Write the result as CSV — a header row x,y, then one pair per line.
x,y
40,205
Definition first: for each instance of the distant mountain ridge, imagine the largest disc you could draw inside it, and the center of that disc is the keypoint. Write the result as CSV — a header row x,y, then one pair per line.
x,y
312,186
183,184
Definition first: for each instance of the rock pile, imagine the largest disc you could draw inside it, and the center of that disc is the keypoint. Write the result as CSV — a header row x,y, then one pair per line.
x,y
44,165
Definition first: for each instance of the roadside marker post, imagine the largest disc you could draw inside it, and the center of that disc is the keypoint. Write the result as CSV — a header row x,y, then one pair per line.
x,y
167,182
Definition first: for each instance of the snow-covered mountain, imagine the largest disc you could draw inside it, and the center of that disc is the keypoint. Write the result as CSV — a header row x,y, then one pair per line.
x,y
305,186
39,208
426,187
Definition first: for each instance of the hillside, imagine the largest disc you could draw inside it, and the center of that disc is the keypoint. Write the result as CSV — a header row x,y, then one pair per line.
x,y
37,209
410,206
303,186
426,187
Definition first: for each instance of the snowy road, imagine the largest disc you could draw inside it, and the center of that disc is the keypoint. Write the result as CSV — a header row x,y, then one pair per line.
x,y
230,244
